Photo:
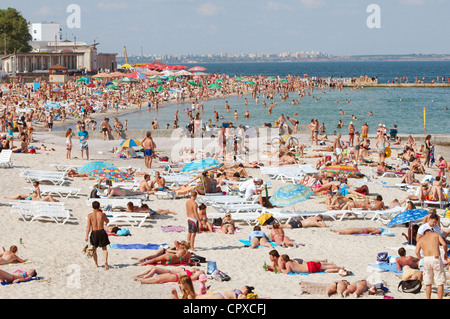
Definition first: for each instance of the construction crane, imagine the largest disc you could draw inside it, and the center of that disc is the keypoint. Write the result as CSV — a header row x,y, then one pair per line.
x,y
126,57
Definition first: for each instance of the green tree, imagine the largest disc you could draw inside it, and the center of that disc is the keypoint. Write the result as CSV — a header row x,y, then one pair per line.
x,y
14,32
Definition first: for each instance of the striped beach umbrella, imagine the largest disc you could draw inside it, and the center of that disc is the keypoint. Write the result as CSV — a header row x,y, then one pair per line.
x,y
340,169
109,174
92,166
200,166
131,142
290,195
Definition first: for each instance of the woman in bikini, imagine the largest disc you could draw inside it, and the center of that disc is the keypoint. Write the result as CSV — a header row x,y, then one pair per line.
x,y
17,276
167,275
228,226
35,195
278,236
180,256
228,294
337,287
9,256
358,288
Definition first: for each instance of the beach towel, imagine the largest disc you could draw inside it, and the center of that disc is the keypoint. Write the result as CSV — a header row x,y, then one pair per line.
x,y
247,243
137,246
385,267
32,279
173,228
305,273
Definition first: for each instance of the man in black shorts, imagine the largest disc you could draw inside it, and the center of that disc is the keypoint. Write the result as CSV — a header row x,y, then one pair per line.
x,y
313,221
97,220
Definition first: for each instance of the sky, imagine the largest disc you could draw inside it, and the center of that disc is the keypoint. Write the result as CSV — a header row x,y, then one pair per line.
x,y
337,27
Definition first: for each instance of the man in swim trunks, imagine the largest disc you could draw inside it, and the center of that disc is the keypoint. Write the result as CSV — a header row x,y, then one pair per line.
x,y
159,183
97,221
105,128
313,221
149,149
364,130
193,218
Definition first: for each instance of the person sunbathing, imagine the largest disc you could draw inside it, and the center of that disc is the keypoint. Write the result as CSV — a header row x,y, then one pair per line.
x,y
356,231
258,237
337,287
352,204
358,288
118,191
422,193
409,178
180,256
165,275
313,221
293,266
7,257
278,236
17,276
144,208
35,195
228,225
228,294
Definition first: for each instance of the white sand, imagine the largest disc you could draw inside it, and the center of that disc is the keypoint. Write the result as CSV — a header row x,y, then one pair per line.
x,y
55,250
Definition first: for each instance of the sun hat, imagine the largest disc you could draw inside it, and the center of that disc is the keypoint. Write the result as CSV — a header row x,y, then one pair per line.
x,y
203,277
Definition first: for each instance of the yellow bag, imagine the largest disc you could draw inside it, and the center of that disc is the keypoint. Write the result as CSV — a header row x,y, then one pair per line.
x,y
252,296
388,152
447,213
265,219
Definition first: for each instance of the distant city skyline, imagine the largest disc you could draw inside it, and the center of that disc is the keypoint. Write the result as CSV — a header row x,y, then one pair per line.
x,y
183,27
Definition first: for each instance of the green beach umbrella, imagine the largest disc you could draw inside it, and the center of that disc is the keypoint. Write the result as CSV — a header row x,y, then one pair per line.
x,y
160,88
214,86
218,81
193,83
238,79
112,87
251,83
271,78
150,90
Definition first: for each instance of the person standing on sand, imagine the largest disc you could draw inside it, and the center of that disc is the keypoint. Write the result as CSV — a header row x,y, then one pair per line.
x,y
364,131
222,141
149,149
83,136
193,218
433,270
97,220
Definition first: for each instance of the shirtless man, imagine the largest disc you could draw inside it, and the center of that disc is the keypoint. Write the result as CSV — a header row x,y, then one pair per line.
x,y
337,147
353,231
105,128
294,122
351,134
96,223
159,183
316,131
293,266
364,130
433,270
193,218
149,149
313,221
143,185
404,260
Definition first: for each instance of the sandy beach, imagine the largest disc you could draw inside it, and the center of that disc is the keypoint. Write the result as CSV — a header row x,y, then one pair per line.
x,y
55,250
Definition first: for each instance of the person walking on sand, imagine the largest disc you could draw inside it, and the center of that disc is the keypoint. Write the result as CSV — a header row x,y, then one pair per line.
x,y
149,149
97,220
83,136
433,267
193,218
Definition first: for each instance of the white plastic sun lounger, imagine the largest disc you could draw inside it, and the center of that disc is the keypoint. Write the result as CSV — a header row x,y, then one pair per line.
x,y
135,219
31,210
238,208
5,158
61,191
225,200
308,169
57,178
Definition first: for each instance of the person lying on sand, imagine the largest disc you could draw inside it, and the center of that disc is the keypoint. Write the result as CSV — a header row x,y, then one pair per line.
x,y
7,257
355,231
17,276
293,266
144,208
180,256
313,221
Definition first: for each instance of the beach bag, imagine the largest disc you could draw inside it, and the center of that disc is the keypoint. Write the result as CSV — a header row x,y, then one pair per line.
x,y
410,286
383,258
266,219
211,267
220,275
378,289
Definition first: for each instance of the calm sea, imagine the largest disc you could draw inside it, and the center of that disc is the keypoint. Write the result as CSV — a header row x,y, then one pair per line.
x,y
401,106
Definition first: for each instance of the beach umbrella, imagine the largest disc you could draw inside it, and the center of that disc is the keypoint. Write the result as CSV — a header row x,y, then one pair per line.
x,y
137,75
91,85
408,216
126,66
111,174
183,72
200,166
99,92
290,195
238,79
193,83
52,105
131,142
160,89
92,166
156,77
150,90
214,86
340,169
111,87
218,81
197,69
270,78
251,83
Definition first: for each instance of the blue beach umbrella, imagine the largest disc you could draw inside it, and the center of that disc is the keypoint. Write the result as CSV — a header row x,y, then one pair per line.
x,y
92,166
200,166
290,195
410,215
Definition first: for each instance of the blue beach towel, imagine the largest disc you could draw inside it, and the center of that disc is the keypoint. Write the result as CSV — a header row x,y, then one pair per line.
x,y
387,267
10,283
305,273
137,246
247,243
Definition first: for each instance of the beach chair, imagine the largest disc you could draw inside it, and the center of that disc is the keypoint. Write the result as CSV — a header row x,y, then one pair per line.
x,y
5,158
135,219
165,195
308,169
65,167
57,178
114,203
386,216
61,191
238,208
280,214
441,204
32,210
225,200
